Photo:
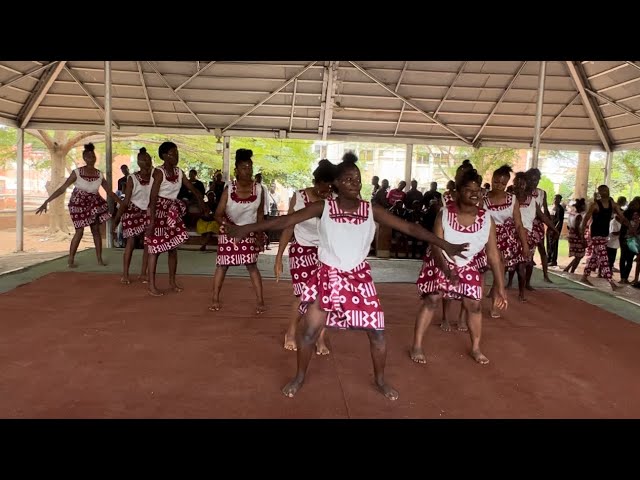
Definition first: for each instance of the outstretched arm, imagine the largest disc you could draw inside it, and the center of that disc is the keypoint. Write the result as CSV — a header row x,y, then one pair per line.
x,y
128,191
546,220
105,186
383,217
497,268
277,223
222,206
285,238
587,217
63,188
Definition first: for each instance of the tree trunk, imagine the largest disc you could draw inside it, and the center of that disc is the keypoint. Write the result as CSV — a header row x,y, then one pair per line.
x,y
57,215
58,218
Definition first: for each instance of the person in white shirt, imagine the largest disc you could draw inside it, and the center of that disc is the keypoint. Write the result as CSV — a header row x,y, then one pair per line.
x,y
613,244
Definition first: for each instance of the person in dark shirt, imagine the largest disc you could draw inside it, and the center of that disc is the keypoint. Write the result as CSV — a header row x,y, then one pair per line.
x,y
552,241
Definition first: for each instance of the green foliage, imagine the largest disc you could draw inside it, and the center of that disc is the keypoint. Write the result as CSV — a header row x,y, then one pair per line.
x,y
547,185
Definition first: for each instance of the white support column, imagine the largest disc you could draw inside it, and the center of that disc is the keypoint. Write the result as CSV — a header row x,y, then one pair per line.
x,y
408,162
108,160
608,168
538,126
226,170
20,191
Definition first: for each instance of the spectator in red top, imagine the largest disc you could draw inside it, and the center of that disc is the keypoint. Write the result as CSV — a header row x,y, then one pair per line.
x,y
397,193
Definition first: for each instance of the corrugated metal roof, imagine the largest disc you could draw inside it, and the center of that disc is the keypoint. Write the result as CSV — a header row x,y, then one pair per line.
x,y
457,102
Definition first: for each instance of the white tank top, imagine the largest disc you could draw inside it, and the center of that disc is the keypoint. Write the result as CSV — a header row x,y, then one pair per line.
x,y
246,212
476,234
345,245
306,233
500,213
90,186
539,196
169,189
140,194
528,213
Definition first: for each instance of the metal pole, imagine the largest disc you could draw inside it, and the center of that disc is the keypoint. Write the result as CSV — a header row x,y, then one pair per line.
x,y
107,143
408,162
536,133
20,192
608,168
226,170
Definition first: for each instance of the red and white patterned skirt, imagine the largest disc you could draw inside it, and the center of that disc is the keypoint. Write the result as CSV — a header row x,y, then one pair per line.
x,y
538,230
431,279
87,209
134,221
349,298
303,263
509,245
577,244
168,230
240,252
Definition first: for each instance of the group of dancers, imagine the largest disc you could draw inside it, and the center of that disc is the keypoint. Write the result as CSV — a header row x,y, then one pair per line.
x,y
329,230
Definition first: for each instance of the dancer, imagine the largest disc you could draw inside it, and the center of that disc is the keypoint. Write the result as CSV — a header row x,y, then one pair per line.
x,y
600,213
303,250
529,211
133,212
86,207
577,240
166,230
533,176
511,236
342,294
460,278
241,203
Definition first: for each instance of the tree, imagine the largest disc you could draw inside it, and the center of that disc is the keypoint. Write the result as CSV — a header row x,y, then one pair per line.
x,y
626,173
547,185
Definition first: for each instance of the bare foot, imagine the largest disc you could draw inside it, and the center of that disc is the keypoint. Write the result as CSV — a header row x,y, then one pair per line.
x,y
547,279
495,314
479,357
462,326
290,342
154,292
522,299
176,287
72,265
101,263
586,281
417,355
387,391
445,326
291,388
260,308
125,281
614,287
321,348
215,306
143,279
530,288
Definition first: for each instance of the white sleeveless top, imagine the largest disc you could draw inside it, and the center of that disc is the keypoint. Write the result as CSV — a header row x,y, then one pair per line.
x,y
141,193
305,233
528,212
476,234
539,196
89,186
345,245
169,189
502,212
243,213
